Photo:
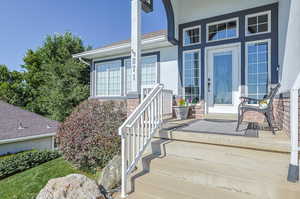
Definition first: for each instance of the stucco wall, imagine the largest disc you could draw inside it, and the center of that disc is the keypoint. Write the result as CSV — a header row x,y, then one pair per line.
x,y
191,10
169,68
40,144
283,18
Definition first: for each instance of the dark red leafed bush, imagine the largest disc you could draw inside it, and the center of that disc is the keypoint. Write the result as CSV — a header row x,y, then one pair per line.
x,y
89,136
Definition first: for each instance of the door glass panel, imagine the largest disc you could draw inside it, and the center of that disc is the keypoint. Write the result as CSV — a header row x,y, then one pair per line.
x,y
222,77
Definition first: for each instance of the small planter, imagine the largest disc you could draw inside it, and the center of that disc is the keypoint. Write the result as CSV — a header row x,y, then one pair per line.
x,y
181,112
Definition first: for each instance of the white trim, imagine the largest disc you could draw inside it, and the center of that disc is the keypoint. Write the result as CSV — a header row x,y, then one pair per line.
x,y
183,73
269,62
26,138
236,45
191,28
257,15
96,79
294,126
220,22
125,77
149,41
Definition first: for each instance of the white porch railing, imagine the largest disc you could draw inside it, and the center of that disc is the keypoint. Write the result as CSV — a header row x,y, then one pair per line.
x,y
138,130
167,101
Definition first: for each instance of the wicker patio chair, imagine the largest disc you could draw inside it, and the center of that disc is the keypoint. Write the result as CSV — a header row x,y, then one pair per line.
x,y
265,106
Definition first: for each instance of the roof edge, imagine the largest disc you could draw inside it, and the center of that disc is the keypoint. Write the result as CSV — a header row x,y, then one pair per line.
x,y
13,140
148,41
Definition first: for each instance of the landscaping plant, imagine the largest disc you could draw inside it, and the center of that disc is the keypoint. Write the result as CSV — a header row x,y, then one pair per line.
x,y
89,136
23,161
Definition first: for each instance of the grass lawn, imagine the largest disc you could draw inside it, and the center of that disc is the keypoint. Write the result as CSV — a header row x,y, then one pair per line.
x,y
26,185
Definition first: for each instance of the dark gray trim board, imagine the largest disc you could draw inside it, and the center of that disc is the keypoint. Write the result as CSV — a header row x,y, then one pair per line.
x,y
171,21
293,175
243,39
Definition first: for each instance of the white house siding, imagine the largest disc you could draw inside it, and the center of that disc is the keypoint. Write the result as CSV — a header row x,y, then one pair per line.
x,y
191,10
39,144
169,68
284,11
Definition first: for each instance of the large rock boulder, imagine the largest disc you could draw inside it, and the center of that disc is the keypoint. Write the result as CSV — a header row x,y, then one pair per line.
x,y
111,174
74,186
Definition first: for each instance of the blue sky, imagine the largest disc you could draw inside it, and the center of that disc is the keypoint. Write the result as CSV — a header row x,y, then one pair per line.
x,y
24,24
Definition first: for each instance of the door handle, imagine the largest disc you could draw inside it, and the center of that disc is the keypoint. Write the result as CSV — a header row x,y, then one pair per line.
x,y
208,84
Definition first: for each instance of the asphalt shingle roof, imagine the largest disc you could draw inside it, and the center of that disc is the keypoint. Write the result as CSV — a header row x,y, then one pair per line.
x,y
144,36
34,124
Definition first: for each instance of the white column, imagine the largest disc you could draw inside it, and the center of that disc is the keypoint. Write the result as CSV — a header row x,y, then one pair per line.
x,y
136,44
291,80
294,126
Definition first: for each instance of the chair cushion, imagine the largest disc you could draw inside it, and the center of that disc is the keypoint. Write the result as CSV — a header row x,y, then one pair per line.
x,y
250,107
264,104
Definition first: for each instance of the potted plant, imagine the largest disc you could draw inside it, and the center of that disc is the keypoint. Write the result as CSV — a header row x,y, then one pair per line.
x,y
181,110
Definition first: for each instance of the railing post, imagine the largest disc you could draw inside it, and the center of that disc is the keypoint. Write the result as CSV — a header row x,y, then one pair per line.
x,y
124,166
161,106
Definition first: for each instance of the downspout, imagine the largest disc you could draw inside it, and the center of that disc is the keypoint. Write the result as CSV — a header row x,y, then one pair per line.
x,y
89,63
83,61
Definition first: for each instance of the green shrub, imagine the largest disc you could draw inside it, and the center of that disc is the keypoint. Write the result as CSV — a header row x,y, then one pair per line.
x,y
23,161
89,136
7,155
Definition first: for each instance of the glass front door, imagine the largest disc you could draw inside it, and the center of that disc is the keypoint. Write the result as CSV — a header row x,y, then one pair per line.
x,y
222,78
223,86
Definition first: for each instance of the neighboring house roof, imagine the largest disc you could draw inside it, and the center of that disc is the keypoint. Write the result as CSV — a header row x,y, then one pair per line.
x,y
33,124
149,40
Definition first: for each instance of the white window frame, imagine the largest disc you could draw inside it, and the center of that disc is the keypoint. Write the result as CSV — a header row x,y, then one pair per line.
x,y
183,71
146,86
191,28
269,13
126,91
269,41
219,22
96,79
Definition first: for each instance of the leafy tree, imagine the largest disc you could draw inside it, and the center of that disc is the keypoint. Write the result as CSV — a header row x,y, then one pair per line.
x,y
53,83
57,82
13,88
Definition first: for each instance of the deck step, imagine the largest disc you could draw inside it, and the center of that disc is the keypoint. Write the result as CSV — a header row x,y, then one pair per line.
x,y
159,186
221,116
193,170
265,142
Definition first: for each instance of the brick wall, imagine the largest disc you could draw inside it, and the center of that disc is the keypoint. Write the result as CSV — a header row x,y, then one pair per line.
x,y
282,114
132,103
197,111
